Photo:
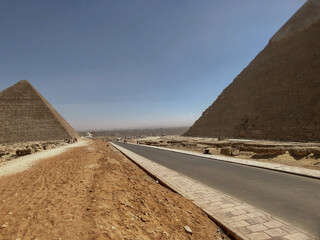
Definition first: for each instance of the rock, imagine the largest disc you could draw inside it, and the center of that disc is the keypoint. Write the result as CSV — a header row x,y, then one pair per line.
x,y
48,146
163,145
35,147
2,153
220,144
268,152
316,152
188,144
228,151
173,142
299,153
271,151
68,141
143,219
187,229
207,151
23,152
166,234
235,152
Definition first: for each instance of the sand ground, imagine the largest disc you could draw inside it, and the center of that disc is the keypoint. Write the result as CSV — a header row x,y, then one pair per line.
x,y
94,192
23,163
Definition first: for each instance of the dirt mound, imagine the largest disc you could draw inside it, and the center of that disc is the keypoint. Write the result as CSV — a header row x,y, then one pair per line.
x,y
26,116
277,96
96,193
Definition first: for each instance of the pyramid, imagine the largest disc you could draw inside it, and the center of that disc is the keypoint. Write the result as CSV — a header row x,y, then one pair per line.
x,y
277,96
26,116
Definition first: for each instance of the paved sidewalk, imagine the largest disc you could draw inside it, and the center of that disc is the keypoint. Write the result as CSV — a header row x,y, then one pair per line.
x,y
273,166
241,220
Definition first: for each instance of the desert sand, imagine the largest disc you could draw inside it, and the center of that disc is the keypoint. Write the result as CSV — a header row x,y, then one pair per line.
x,y
94,192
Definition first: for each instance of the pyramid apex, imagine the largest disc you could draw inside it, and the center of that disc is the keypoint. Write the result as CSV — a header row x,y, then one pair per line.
x,y
22,84
308,14
24,81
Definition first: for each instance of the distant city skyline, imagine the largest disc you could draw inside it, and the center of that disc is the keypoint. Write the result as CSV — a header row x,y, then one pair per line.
x,y
133,64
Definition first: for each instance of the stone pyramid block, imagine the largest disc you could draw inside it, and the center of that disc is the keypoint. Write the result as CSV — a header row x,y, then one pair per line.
x,y
277,96
25,115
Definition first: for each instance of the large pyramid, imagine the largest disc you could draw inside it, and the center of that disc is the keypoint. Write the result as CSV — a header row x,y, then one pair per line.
x,y
277,96
26,116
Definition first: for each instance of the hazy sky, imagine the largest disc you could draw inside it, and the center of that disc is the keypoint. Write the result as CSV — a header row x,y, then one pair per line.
x,y
133,63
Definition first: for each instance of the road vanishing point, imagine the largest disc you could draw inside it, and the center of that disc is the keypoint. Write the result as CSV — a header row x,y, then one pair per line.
x,y
292,198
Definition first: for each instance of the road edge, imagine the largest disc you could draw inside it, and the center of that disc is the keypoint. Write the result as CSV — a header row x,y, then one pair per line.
x,y
227,212
269,166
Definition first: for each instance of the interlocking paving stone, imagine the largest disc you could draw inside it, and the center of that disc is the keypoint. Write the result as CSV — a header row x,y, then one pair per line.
x,y
256,220
289,229
257,228
297,236
273,224
240,219
239,224
275,232
258,236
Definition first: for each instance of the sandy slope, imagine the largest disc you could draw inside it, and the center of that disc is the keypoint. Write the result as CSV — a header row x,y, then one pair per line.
x,y
94,192
23,163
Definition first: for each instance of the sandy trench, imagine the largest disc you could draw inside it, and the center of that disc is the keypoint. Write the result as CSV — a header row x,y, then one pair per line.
x,y
94,192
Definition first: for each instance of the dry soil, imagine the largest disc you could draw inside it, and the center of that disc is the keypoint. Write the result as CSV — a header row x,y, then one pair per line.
x,y
95,192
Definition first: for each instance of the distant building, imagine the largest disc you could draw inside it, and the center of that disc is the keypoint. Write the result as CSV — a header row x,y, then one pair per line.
x,y
89,135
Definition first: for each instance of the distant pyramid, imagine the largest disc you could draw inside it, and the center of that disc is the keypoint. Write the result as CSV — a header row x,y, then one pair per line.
x,y
277,96
26,116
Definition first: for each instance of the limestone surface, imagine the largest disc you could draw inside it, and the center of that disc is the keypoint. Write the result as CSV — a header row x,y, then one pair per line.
x,y
25,116
277,96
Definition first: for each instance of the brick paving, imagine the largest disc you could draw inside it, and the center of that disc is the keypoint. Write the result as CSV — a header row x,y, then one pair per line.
x,y
241,220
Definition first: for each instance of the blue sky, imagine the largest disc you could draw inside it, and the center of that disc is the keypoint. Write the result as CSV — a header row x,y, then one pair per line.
x,y
106,64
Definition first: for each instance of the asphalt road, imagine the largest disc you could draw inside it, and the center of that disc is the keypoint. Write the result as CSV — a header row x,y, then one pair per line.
x,y
294,199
